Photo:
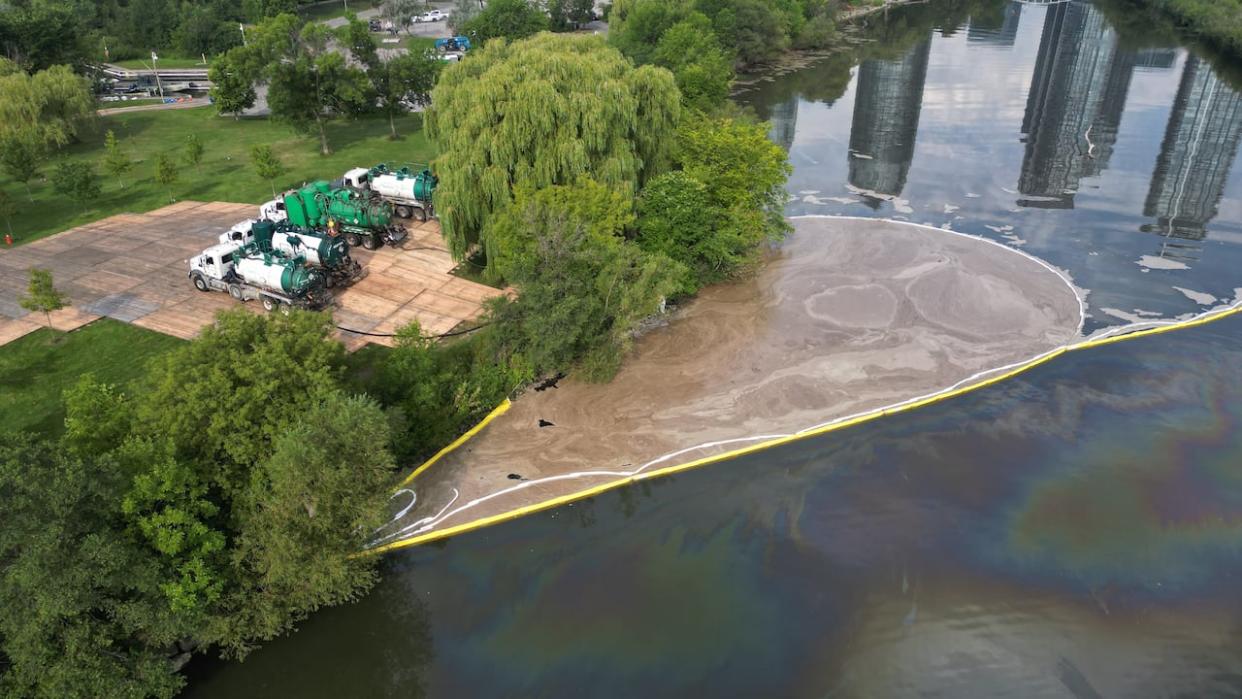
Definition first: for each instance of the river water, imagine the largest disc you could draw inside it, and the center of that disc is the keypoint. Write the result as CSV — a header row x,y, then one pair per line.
x,y
1074,532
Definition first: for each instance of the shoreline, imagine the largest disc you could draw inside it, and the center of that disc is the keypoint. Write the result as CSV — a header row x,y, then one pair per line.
x,y
854,319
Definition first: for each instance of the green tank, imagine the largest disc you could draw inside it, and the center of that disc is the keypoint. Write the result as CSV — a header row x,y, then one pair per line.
x,y
315,204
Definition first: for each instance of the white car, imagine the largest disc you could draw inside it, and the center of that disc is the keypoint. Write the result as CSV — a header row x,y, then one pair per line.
x,y
432,16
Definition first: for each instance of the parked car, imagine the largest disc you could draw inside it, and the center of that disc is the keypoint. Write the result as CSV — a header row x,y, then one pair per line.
x,y
375,25
432,16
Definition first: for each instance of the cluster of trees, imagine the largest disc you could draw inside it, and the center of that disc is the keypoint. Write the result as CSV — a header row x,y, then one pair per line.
x,y
587,186
213,507
1217,21
747,32
517,19
41,33
315,74
39,113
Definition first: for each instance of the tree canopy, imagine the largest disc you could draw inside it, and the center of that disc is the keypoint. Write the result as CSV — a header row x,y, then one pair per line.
x,y
509,19
725,201
544,111
582,287
216,505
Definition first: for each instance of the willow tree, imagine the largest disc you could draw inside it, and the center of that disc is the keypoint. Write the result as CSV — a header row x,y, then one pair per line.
x,y
544,111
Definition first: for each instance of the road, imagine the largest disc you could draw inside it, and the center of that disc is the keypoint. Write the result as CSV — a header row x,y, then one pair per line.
x,y
187,104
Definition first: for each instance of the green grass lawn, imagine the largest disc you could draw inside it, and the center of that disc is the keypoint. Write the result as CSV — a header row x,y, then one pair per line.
x,y
418,43
225,174
128,103
37,368
170,62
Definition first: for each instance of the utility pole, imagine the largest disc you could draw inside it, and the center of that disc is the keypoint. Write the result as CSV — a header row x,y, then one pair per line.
x,y
156,69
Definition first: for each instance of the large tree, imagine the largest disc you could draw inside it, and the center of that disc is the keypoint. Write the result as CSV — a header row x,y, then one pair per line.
x,y
50,108
701,66
232,78
38,35
509,19
399,83
81,613
582,286
544,111
309,83
715,213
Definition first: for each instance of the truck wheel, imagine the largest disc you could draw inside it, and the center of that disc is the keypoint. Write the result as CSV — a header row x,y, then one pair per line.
x,y
285,309
235,291
353,239
200,283
371,242
269,303
402,211
420,214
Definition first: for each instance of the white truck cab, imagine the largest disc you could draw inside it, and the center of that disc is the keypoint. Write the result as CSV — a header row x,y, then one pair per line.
x,y
216,262
239,233
274,210
358,178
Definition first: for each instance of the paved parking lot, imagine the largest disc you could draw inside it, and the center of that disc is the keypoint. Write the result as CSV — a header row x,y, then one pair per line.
x,y
132,267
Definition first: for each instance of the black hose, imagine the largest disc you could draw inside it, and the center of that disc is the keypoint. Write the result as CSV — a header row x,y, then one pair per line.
x,y
454,333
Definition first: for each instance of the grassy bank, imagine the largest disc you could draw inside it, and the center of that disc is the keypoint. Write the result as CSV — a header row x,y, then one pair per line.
x,y
36,369
225,174
168,62
1218,22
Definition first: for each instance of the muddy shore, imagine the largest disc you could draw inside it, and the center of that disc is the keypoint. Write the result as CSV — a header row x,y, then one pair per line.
x,y
849,316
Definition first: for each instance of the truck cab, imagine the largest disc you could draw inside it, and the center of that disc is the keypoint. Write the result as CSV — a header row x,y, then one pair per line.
x,y
358,179
239,233
216,262
274,210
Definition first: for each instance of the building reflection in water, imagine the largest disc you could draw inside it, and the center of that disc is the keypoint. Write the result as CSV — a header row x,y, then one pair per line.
x,y
887,103
1199,147
1073,112
982,31
1155,59
784,118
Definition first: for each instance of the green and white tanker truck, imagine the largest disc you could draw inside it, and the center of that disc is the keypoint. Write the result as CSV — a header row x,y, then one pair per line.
x,y
410,189
328,253
362,220
247,274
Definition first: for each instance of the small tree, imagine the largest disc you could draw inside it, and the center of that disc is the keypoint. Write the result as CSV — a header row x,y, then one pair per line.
x,y
20,157
400,13
267,164
77,181
166,172
42,296
193,150
116,161
8,207
232,83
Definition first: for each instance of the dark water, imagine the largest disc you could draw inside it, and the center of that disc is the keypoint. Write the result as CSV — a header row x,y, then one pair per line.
x,y
1074,532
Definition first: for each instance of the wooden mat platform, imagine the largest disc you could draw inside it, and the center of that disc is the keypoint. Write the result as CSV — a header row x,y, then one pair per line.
x,y
133,267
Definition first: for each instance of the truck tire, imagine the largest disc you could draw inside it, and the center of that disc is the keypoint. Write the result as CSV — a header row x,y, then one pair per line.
x,y
371,242
200,283
235,292
353,239
285,309
402,211
420,214
269,303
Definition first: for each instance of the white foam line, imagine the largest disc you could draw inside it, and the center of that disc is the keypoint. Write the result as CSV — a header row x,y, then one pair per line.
x,y
427,523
